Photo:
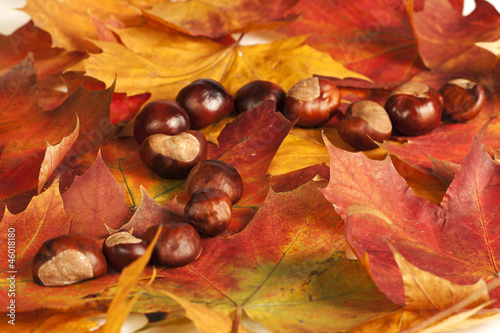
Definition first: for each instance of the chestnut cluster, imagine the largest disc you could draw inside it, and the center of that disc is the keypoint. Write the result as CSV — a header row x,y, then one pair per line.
x,y
411,109
213,186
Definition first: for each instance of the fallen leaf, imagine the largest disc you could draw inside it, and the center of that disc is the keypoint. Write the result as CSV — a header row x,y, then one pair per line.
x,y
424,290
96,200
75,320
446,39
139,65
54,155
219,18
365,36
205,319
454,240
70,24
286,268
25,129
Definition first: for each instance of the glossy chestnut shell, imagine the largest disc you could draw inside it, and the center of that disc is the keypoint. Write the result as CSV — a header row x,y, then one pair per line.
x,y
205,101
313,101
160,117
414,108
363,123
122,248
68,259
209,211
252,94
174,156
463,99
178,244
215,174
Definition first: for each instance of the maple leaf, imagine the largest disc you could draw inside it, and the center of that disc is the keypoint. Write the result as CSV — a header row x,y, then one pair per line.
x,y
285,268
139,64
43,218
455,240
96,200
366,36
432,304
446,39
73,24
25,129
219,18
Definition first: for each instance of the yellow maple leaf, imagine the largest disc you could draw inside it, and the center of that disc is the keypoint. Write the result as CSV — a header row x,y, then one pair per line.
x,y
162,61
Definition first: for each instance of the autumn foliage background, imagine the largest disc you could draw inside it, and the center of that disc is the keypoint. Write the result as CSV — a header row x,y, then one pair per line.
x,y
420,214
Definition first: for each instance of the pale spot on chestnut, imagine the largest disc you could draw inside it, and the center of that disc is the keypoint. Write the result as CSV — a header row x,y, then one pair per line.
x,y
416,89
174,156
374,114
363,123
182,147
463,83
306,89
312,102
67,259
122,237
67,267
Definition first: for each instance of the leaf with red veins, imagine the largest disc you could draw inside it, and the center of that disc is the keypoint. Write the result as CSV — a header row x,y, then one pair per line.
x,y
455,240
96,200
370,37
44,218
285,268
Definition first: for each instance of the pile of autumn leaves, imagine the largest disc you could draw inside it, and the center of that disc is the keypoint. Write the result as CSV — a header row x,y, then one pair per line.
x,y
282,261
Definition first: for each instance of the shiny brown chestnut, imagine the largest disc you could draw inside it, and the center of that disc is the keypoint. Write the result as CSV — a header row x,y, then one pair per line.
x,y
363,123
313,101
173,156
205,101
414,108
215,174
178,244
252,94
122,248
209,211
463,99
160,117
68,259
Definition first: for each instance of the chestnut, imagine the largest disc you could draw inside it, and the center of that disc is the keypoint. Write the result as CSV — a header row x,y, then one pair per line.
x,y
178,244
414,108
209,211
68,259
463,99
363,123
252,94
160,117
121,249
205,101
215,174
313,101
173,156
